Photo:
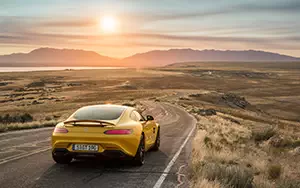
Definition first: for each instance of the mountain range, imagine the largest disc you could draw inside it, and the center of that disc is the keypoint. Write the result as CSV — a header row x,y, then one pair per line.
x,y
70,57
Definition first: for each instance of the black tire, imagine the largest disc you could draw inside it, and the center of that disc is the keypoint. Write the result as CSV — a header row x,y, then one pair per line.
x,y
139,158
157,141
62,159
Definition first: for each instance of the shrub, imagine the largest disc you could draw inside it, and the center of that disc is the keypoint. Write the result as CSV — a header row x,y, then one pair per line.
x,y
7,119
296,143
28,125
280,141
207,141
2,128
274,171
26,118
264,134
228,175
48,118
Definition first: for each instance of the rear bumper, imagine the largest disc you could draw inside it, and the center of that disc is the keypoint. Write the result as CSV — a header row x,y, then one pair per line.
x,y
109,154
127,145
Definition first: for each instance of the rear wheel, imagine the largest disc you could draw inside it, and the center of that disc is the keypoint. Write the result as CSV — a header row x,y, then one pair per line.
x,y
139,158
62,159
157,141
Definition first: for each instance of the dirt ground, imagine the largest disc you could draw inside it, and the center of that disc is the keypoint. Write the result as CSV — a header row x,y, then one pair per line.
x,y
245,110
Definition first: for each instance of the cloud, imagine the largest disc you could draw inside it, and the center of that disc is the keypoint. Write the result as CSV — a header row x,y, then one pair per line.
x,y
50,36
229,9
207,38
138,39
69,23
21,25
287,6
7,37
174,16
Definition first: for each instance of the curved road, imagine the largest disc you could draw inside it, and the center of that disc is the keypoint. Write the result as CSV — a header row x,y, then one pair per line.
x,y
25,159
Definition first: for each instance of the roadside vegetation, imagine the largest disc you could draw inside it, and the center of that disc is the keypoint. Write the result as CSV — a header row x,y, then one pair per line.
x,y
232,152
7,119
248,116
23,121
30,125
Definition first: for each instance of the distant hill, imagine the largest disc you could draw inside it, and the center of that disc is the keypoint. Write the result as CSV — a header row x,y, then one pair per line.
x,y
159,58
69,57
57,57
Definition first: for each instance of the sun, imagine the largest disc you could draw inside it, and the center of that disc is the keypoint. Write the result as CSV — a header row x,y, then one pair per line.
x,y
108,24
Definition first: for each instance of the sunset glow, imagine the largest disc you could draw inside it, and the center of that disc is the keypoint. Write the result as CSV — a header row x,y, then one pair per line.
x,y
108,24
141,26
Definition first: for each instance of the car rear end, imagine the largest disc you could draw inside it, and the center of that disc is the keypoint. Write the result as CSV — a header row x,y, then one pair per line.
x,y
87,140
77,138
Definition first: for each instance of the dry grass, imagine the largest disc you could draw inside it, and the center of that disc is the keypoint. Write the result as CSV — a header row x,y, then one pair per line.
x,y
228,175
204,183
30,125
210,165
238,144
237,154
274,171
17,118
287,183
62,92
265,134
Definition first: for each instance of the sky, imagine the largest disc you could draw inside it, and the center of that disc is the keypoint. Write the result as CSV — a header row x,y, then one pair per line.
x,y
140,25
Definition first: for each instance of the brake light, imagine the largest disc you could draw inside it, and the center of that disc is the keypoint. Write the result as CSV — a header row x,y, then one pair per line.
x,y
60,130
118,131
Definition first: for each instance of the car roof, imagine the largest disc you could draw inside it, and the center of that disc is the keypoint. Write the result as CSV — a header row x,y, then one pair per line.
x,y
121,107
107,105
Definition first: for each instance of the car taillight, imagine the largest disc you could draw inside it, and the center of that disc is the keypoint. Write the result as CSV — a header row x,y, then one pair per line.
x,y
60,130
118,131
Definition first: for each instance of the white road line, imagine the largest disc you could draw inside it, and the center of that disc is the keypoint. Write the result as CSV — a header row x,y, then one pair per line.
x,y
9,139
19,156
172,162
27,144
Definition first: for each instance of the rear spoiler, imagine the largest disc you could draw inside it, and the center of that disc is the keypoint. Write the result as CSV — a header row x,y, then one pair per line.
x,y
101,122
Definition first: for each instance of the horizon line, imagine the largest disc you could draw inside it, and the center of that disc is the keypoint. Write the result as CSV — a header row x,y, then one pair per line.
x,y
117,58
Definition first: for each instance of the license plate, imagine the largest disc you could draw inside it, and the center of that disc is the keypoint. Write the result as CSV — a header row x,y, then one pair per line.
x,y
85,147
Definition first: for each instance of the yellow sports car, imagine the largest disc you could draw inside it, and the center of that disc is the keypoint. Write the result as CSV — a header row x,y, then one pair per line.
x,y
112,131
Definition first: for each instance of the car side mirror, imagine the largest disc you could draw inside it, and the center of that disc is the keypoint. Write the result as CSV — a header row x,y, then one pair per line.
x,y
149,118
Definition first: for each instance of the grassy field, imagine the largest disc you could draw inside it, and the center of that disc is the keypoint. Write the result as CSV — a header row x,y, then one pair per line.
x,y
248,124
248,113
54,95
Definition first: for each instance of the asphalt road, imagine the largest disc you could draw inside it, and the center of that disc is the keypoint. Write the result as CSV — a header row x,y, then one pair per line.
x,y
25,159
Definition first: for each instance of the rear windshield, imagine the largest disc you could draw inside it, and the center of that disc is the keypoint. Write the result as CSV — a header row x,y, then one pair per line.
x,y
99,113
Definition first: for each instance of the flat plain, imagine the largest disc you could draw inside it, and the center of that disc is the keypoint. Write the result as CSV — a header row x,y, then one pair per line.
x,y
248,113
